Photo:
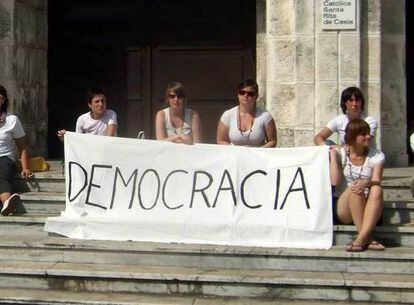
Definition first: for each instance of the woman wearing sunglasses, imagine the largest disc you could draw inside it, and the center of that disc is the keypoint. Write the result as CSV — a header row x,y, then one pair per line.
x,y
356,171
246,124
177,123
352,105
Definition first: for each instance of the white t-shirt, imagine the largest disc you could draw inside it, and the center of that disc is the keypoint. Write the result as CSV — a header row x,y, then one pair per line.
x,y
86,124
338,124
10,129
187,126
257,136
353,172
412,142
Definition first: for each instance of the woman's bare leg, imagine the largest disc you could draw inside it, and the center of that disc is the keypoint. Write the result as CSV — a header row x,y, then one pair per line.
x,y
4,196
372,213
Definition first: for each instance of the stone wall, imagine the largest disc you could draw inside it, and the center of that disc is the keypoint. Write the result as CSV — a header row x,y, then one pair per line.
x,y
23,58
303,69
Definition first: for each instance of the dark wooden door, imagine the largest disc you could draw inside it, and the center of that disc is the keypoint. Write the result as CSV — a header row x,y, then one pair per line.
x,y
210,77
206,45
134,48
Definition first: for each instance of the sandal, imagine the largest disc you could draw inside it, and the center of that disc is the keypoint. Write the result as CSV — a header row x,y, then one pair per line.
x,y
376,246
352,247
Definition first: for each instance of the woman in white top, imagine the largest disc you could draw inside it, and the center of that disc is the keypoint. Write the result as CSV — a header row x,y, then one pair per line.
x,y
97,121
247,124
177,123
11,132
356,171
352,105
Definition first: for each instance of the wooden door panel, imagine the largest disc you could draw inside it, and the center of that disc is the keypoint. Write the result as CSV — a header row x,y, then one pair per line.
x,y
210,77
137,108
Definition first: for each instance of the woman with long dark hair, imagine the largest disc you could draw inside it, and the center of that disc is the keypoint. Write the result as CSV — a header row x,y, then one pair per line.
x,y
246,124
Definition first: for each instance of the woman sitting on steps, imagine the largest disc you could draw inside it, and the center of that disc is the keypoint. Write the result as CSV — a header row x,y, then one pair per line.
x,y
356,171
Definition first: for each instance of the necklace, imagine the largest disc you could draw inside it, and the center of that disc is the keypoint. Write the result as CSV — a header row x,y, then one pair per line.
x,y
239,124
348,155
176,130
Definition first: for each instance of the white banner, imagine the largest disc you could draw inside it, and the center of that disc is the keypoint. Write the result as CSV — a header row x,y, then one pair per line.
x,y
143,190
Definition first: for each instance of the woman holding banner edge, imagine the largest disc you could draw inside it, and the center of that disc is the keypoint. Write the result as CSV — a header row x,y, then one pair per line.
x,y
99,120
356,172
246,124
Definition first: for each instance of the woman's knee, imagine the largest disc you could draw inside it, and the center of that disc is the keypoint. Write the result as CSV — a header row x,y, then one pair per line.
x,y
375,192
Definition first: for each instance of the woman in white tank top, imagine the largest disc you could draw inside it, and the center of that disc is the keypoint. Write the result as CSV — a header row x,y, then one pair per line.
x,y
176,123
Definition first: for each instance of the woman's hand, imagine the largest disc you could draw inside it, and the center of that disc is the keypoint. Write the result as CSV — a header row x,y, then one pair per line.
x,y
61,134
26,173
358,187
184,139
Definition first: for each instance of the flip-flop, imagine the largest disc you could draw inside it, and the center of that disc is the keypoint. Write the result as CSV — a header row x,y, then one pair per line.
x,y
376,246
352,247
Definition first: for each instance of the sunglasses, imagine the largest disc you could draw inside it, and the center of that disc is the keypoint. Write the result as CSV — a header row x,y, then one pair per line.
x,y
173,96
249,93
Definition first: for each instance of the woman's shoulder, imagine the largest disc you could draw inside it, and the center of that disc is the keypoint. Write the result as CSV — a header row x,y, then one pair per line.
x,y
263,115
12,118
230,111
368,118
376,156
262,111
191,112
110,112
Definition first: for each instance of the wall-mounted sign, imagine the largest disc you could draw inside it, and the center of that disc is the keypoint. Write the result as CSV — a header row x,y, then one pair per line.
x,y
338,14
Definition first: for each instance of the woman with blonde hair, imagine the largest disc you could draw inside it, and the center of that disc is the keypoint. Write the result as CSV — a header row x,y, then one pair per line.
x,y
177,123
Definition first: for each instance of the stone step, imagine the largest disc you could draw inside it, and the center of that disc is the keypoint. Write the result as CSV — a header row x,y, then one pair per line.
x,y
41,203
395,194
244,283
391,235
48,181
398,212
54,183
58,297
395,211
39,247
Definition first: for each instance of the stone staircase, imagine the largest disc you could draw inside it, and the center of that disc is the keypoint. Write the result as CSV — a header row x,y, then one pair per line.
x,y
37,268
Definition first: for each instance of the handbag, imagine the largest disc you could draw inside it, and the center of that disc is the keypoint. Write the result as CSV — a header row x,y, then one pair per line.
x,y
36,164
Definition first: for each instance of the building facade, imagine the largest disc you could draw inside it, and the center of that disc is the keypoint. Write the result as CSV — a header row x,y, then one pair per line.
x,y
301,67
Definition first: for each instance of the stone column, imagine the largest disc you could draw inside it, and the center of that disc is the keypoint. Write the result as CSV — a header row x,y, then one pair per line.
x,y
261,50
307,68
280,67
291,69
6,44
338,66
393,81
24,65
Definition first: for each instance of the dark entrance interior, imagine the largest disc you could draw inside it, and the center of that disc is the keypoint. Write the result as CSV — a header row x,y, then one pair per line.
x,y
134,48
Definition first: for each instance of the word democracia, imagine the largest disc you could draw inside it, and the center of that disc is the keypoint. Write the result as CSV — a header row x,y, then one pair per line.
x,y
199,187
